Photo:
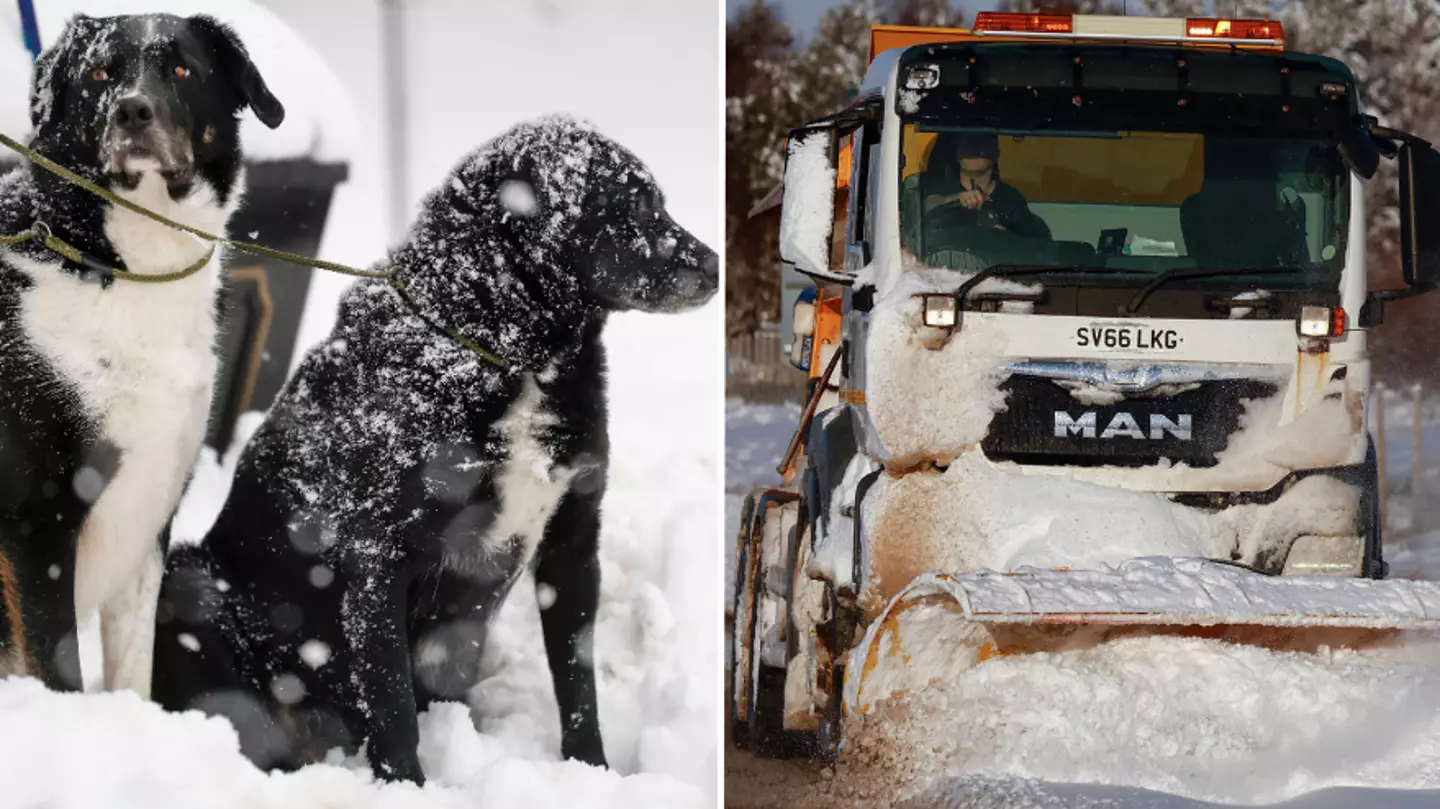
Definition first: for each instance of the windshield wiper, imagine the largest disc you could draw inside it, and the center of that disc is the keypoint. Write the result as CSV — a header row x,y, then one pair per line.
x,y
1191,272
1005,270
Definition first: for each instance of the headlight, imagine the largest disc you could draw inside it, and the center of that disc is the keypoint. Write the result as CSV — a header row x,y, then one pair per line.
x,y
1321,321
940,311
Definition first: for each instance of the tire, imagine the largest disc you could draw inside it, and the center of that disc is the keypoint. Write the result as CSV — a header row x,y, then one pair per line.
x,y
765,729
760,729
765,725
739,726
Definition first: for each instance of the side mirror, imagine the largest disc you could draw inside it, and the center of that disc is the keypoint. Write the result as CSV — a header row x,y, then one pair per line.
x,y
1420,203
807,209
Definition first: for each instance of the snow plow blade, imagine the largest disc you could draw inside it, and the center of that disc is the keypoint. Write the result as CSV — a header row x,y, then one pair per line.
x,y
916,639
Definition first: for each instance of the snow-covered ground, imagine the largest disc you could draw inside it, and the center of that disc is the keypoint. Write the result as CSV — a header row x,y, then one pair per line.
x,y
1169,723
477,68
755,438
657,649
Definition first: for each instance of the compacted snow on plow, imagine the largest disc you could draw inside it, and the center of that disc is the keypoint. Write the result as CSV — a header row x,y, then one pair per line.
x,y
1086,360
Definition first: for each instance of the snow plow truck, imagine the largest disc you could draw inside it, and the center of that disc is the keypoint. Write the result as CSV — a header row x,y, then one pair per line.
x,y
1085,350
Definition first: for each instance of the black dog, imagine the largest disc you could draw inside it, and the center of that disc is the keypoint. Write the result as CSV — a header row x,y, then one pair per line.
x,y
451,432
106,385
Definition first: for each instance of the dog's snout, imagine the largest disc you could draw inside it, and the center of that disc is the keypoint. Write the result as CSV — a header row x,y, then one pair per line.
x,y
710,267
134,112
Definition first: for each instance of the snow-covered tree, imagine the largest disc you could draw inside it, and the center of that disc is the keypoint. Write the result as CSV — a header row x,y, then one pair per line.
x,y
760,104
1062,6
938,13
770,87
1393,48
1251,9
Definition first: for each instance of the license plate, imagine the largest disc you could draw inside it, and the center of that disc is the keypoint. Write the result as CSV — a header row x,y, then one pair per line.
x,y
1128,338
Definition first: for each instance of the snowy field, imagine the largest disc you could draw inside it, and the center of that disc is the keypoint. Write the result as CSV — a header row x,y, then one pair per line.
x,y
1159,723
657,636
656,646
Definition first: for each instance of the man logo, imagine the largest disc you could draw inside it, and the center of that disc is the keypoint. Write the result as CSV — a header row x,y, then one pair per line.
x,y
1122,425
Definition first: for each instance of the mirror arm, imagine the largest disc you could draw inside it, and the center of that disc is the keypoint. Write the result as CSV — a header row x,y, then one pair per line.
x,y
1372,313
1389,134
826,280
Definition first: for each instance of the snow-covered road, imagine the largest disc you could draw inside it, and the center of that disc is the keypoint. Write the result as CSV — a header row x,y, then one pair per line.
x,y
1178,723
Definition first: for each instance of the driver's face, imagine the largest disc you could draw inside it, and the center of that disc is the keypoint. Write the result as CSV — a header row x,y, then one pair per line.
x,y
975,171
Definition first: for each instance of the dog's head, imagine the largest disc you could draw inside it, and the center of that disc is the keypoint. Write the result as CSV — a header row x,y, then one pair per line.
x,y
586,215
116,97
633,255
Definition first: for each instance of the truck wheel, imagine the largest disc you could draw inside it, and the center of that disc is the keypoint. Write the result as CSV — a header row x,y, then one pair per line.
x,y
742,632
766,722
757,720
765,725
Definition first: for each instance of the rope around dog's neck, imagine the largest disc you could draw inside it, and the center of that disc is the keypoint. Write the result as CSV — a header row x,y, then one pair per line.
x,y
255,249
90,267
41,231
453,334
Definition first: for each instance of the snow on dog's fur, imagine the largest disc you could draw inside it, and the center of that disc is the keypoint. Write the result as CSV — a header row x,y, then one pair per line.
x,y
402,482
107,387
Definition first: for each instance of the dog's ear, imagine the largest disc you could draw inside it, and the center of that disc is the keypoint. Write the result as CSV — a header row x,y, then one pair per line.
x,y
238,70
48,79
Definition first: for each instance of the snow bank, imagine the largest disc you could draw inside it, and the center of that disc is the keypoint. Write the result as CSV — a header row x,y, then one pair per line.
x,y
1186,716
116,750
807,212
980,792
656,645
320,122
979,515
1161,723
657,660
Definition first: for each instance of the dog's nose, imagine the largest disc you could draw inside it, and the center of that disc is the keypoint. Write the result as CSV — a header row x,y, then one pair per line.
x,y
134,112
710,267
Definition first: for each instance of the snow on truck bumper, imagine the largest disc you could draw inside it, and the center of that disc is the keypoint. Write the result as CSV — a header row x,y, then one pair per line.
x,y
982,515
916,638
1153,405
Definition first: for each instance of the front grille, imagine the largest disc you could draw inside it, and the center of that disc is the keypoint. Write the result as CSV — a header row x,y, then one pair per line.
x,y
1043,424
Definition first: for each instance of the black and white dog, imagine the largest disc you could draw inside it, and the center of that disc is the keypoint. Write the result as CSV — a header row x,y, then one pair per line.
x,y
105,387
404,480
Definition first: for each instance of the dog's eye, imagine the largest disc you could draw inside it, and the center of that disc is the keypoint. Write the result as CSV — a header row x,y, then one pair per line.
x,y
99,74
181,71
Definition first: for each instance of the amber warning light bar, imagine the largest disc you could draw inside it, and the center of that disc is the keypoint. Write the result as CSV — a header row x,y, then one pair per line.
x,y
1113,26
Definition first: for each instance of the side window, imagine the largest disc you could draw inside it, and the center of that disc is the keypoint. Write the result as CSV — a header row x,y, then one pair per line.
x,y
860,224
872,184
841,234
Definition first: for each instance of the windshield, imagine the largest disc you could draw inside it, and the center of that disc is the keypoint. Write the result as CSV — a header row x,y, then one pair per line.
x,y
1130,204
